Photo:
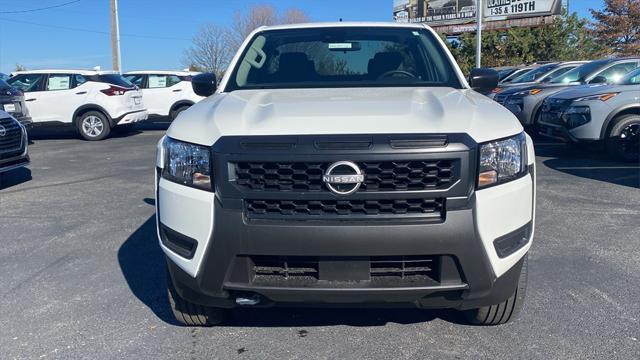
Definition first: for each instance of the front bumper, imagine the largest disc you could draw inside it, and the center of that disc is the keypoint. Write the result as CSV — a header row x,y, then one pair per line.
x,y
132,117
468,272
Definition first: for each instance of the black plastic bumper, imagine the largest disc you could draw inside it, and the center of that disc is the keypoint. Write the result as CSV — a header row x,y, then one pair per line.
x,y
466,279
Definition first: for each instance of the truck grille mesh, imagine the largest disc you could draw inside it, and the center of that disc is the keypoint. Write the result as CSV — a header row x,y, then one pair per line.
x,y
344,208
379,175
298,270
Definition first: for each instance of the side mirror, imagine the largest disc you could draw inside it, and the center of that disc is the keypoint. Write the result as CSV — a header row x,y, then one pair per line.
x,y
598,80
483,80
204,84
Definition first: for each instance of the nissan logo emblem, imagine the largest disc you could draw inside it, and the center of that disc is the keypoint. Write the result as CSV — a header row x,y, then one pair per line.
x,y
3,131
343,177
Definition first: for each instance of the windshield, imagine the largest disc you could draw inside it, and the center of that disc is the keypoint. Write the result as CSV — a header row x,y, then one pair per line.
x,y
633,78
577,74
343,57
4,84
533,75
557,72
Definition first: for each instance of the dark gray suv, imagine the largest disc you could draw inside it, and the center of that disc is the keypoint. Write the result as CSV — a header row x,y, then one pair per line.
x,y
12,101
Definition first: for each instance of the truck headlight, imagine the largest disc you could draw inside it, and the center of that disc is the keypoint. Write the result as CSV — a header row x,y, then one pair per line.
x,y
502,160
187,164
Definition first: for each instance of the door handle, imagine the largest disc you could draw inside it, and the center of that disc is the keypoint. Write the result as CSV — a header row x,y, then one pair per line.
x,y
81,93
177,90
30,99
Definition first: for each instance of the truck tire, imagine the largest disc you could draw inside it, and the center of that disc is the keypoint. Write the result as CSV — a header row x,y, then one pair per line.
x,y
505,311
622,140
191,314
93,126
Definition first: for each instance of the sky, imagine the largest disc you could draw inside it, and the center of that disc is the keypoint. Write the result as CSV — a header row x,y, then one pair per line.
x,y
154,33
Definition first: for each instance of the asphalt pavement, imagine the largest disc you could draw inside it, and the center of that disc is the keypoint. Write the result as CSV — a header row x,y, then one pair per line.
x,y
82,275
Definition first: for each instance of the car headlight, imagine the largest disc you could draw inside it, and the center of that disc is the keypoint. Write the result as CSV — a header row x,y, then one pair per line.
x,y
502,160
576,116
187,164
601,97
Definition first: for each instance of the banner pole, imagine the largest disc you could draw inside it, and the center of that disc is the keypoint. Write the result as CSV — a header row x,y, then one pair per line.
x,y
479,34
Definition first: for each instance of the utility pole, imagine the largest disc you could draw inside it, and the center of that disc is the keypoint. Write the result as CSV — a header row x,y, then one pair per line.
x,y
115,37
479,34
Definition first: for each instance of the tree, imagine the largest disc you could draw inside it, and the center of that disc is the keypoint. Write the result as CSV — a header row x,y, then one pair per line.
x,y
617,27
568,38
20,67
214,46
210,50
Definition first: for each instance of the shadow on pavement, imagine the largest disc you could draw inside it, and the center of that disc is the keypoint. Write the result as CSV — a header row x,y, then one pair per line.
x,y
143,266
294,317
590,162
14,177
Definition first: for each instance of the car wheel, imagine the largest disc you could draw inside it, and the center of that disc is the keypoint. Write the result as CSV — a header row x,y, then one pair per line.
x,y
191,314
177,111
623,140
505,311
93,126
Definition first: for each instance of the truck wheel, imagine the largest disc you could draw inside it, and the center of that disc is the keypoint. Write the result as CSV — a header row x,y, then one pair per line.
x,y
174,114
93,126
191,314
506,311
623,140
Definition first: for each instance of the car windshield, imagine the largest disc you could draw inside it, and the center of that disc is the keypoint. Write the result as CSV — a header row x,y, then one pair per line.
x,y
557,72
343,57
4,84
533,75
633,78
577,74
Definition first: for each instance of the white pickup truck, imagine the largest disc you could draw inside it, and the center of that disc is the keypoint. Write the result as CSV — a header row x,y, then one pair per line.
x,y
346,164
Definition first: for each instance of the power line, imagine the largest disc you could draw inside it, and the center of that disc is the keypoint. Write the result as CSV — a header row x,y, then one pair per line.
x,y
40,9
93,31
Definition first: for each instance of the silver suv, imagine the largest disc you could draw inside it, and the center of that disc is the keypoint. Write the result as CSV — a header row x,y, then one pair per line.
x,y
597,112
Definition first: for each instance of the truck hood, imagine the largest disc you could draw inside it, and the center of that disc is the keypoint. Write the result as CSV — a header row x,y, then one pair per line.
x,y
344,111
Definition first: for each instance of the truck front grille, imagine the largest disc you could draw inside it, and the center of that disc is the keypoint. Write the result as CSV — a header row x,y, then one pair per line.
x,y
349,209
11,143
385,271
379,175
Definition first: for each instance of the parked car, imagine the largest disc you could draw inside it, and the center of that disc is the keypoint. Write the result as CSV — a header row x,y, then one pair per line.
x,y
543,74
505,71
597,112
13,143
518,72
12,101
307,179
166,93
526,101
92,101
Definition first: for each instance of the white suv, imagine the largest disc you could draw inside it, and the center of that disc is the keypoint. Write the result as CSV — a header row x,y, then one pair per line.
x,y
92,101
346,164
166,93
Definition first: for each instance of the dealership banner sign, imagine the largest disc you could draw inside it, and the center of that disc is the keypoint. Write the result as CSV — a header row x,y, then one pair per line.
x,y
440,12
